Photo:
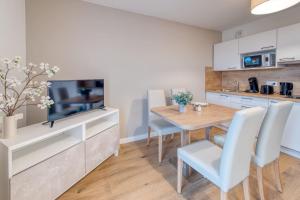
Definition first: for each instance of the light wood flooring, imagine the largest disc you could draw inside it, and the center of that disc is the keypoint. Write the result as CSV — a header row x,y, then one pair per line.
x,y
136,175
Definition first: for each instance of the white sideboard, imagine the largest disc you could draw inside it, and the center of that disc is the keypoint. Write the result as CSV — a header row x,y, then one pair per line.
x,y
291,137
43,162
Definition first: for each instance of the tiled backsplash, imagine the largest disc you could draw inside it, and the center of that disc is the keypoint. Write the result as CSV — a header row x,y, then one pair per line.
x,y
289,74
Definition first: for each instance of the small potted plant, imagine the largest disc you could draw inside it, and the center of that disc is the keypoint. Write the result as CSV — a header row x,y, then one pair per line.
x,y
182,99
16,93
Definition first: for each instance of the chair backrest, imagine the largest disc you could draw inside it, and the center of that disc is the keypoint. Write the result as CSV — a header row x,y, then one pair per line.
x,y
271,133
156,98
176,91
238,147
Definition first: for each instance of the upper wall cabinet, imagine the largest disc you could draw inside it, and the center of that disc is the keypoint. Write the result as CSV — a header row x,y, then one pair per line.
x,y
226,56
258,42
289,44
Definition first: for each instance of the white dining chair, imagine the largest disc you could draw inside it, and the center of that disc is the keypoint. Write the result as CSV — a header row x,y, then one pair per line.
x,y
175,91
157,98
228,167
268,142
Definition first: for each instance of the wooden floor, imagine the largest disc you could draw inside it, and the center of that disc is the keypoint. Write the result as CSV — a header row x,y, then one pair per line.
x,y
137,175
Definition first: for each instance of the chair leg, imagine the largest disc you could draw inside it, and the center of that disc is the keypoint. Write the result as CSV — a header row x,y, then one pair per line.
x,y
182,138
259,171
149,138
207,133
160,145
224,195
179,175
277,175
246,189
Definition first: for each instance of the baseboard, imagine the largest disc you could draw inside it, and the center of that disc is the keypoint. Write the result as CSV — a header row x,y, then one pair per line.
x,y
136,138
290,152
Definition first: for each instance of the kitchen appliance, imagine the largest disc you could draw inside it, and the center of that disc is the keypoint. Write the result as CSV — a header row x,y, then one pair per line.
x,y
253,84
259,60
267,89
286,88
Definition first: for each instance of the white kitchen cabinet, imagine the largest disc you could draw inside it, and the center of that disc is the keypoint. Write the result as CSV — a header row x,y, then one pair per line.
x,y
259,42
288,43
291,136
218,99
226,56
249,102
235,101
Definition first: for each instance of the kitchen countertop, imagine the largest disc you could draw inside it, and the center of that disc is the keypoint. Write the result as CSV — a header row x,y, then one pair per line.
x,y
258,95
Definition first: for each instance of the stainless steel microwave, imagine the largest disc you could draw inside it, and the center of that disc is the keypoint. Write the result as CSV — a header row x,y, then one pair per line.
x,y
259,60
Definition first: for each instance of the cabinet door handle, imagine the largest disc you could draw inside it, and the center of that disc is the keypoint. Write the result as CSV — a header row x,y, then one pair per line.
x,y
285,59
232,68
223,95
268,47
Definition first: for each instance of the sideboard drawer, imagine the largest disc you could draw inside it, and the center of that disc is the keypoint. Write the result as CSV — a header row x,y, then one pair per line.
x,y
100,147
50,178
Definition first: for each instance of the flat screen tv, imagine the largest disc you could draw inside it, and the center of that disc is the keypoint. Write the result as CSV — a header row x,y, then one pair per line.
x,y
74,96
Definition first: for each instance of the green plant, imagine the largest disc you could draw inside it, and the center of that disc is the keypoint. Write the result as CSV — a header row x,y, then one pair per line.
x,y
183,98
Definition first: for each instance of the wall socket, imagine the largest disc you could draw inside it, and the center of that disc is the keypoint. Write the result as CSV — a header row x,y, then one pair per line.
x,y
273,83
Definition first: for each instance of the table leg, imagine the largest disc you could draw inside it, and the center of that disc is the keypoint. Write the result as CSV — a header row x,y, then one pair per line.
x,y
207,132
185,140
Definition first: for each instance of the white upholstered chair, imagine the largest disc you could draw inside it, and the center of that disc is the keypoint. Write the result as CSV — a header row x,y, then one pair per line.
x,y
268,142
157,98
228,167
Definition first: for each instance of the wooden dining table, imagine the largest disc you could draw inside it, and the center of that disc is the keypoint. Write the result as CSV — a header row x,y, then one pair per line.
x,y
190,120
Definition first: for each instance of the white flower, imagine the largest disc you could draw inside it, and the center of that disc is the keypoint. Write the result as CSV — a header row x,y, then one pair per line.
x,y
10,101
26,69
46,102
12,82
17,59
6,61
45,84
42,66
55,69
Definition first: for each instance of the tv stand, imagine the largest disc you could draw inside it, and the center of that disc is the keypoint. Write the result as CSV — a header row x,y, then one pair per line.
x,y
64,154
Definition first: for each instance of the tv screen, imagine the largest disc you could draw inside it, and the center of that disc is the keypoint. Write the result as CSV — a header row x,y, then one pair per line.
x,y
74,96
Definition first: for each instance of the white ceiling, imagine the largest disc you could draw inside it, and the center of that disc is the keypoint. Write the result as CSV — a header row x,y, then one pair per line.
x,y
211,14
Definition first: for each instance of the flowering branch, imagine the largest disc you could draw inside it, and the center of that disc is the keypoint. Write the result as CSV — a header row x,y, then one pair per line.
x,y
24,93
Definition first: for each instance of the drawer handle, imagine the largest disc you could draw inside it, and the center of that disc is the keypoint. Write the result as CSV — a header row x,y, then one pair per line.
x,y
247,98
232,68
273,101
245,107
223,95
268,47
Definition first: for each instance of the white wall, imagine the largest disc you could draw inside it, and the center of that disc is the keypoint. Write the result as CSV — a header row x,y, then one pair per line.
x,y
131,52
12,33
273,21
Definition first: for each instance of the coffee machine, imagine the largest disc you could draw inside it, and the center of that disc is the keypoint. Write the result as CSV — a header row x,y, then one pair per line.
x,y
253,85
286,88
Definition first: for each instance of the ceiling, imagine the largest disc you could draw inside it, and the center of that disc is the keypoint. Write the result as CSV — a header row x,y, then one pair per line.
x,y
211,14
